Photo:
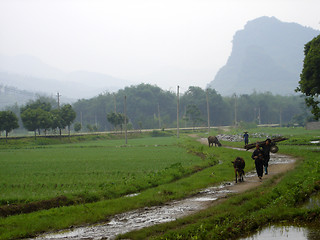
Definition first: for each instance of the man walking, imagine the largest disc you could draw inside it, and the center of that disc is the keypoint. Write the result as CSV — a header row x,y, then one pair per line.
x,y
246,138
257,156
266,154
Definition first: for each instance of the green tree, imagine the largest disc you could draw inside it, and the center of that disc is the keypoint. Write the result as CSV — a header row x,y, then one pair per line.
x,y
116,119
31,119
57,121
194,114
309,83
68,115
113,119
77,127
45,121
8,122
39,103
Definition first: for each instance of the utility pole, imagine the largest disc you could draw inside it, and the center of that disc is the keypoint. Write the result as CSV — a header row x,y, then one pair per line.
x,y
280,117
159,116
115,103
125,118
58,95
259,116
178,112
81,119
208,111
235,109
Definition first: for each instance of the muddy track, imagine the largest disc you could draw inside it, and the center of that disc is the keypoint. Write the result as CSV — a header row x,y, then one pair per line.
x,y
171,211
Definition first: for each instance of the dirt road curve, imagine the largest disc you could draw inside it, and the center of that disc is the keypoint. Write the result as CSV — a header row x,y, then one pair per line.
x,y
149,216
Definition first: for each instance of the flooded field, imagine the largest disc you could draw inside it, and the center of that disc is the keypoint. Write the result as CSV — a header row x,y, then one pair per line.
x,y
286,232
171,211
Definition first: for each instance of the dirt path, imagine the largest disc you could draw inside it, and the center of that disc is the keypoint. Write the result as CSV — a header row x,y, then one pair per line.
x,y
171,211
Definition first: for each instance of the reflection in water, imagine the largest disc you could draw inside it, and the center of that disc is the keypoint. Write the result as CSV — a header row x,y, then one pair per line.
x,y
286,232
313,202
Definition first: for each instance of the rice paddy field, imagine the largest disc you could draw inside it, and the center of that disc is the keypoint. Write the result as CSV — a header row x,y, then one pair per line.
x,y
91,170
52,184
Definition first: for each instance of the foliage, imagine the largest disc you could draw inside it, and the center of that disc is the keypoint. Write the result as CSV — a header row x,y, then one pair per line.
x,y
194,114
145,103
8,121
37,115
77,127
31,119
68,115
309,84
117,119
38,104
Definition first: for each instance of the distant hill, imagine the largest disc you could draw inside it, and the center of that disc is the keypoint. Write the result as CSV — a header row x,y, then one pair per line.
x,y
31,74
267,55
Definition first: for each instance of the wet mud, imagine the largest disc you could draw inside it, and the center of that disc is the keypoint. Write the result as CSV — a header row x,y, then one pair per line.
x,y
141,218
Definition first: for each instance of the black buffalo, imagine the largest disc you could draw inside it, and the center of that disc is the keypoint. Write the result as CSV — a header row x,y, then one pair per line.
x,y
213,140
239,165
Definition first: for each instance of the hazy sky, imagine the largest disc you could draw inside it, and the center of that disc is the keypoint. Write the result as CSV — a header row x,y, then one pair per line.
x,y
162,42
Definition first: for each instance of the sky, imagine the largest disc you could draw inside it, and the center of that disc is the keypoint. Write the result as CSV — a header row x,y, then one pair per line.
x,y
162,42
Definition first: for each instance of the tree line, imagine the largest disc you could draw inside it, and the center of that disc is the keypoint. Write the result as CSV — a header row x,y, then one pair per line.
x,y
150,107
38,115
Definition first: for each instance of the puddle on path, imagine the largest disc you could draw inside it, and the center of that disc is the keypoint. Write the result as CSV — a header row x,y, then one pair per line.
x,y
149,216
285,232
145,217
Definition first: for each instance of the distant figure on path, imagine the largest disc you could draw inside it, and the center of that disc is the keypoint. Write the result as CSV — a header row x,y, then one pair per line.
x,y
266,154
257,156
246,138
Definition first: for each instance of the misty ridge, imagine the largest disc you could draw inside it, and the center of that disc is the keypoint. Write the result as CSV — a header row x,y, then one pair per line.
x,y
267,56
29,73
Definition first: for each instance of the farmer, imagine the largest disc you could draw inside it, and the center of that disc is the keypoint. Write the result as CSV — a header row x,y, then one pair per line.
x,y
266,154
257,156
246,138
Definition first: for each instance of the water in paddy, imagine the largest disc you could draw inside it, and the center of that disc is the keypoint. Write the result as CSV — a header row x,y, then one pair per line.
x,y
286,232
291,232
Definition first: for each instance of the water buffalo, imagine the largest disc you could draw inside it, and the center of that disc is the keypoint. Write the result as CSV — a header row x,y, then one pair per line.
x,y
239,165
213,140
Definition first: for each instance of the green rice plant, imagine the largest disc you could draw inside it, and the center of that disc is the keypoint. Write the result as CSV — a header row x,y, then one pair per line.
x,y
102,169
165,179
196,173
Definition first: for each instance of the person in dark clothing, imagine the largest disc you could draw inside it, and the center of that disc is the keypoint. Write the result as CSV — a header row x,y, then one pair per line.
x,y
257,156
246,138
266,154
